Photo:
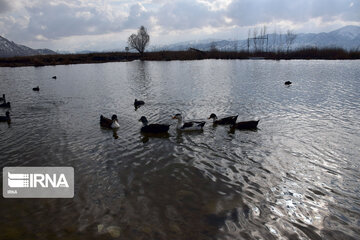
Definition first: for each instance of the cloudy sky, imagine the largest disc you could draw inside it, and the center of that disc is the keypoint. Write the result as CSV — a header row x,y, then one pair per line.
x,y
72,25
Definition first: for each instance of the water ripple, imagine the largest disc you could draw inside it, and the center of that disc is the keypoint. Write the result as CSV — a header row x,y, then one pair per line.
x,y
295,177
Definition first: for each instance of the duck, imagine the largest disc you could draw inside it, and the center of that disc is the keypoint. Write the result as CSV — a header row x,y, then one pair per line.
x,y
5,105
109,123
36,88
288,83
245,125
3,99
154,128
54,77
138,103
189,125
223,121
5,118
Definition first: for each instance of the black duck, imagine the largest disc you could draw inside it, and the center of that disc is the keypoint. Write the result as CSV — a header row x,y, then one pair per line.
x,y
223,121
154,128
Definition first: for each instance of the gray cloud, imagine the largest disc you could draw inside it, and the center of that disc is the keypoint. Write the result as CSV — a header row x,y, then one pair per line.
x,y
249,12
55,21
187,14
47,20
137,16
5,5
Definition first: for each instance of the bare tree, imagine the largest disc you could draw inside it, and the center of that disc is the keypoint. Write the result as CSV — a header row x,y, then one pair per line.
x,y
274,41
289,39
140,40
255,32
213,47
262,38
248,40
127,51
267,38
280,45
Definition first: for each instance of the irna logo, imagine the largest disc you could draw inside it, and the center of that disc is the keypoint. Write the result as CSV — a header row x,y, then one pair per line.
x,y
38,182
18,180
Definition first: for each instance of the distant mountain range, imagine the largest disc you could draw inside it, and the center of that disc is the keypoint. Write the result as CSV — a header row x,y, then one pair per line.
x,y
11,49
346,37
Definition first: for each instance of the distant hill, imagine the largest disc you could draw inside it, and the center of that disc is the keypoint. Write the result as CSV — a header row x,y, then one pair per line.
x,y
346,37
11,49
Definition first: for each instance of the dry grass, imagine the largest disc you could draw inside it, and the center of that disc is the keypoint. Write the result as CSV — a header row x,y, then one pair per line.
x,y
64,59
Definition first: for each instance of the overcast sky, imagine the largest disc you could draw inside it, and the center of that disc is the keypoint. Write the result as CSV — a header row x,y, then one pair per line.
x,y
106,24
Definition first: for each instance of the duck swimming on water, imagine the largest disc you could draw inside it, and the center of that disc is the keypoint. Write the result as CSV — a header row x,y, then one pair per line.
x,y
288,83
189,125
245,125
223,121
3,98
36,89
5,118
5,105
154,128
109,123
138,103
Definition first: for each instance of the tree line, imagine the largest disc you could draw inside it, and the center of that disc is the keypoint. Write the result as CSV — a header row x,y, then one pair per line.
x,y
261,41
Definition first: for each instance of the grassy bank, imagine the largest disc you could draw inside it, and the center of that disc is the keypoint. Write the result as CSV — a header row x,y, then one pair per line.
x,y
64,59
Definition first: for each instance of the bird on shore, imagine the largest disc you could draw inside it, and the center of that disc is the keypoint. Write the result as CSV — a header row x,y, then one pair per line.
x,y
54,77
5,105
6,118
3,99
223,121
36,89
189,125
288,83
154,128
138,103
109,123
245,125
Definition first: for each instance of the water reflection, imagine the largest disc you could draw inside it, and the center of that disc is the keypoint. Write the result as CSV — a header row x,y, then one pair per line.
x,y
115,135
139,79
147,136
295,177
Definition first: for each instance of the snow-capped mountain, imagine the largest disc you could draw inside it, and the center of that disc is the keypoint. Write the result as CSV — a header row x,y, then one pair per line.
x,y
346,37
350,32
11,49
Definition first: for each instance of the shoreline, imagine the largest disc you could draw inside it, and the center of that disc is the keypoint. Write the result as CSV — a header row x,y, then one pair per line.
x,y
191,54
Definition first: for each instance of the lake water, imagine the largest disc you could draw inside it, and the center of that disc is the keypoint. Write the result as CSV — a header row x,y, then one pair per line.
x,y
295,177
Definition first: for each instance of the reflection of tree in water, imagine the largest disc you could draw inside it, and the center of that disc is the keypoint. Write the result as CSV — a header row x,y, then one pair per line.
x,y
139,78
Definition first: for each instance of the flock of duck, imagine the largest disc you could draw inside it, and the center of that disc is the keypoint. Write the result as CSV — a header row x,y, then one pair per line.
x,y
157,128
5,104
